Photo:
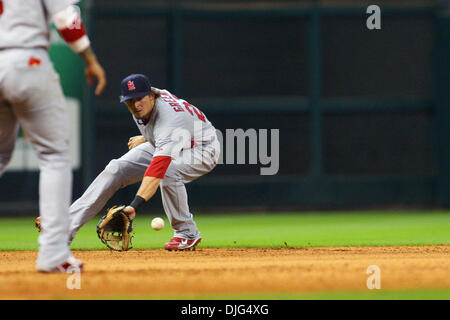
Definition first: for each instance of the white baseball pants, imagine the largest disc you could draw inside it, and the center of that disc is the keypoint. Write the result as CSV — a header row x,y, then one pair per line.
x,y
31,95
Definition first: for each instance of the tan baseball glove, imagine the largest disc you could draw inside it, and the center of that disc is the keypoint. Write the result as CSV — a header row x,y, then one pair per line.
x,y
114,229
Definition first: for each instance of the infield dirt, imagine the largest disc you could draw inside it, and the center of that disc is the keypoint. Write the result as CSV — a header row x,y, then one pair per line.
x,y
159,274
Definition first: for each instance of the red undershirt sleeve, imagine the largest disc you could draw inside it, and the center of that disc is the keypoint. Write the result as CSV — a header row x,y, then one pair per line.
x,y
71,28
158,167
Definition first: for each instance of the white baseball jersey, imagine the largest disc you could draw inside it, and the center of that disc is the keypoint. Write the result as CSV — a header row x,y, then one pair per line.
x,y
175,125
26,23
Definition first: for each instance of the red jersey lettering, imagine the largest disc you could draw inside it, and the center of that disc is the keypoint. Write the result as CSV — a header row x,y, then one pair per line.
x,y
199,114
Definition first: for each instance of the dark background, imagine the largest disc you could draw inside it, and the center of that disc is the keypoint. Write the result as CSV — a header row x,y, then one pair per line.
x,y
363,114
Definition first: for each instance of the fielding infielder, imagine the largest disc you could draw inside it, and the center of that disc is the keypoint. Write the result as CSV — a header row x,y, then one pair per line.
x,y
31,95
178,145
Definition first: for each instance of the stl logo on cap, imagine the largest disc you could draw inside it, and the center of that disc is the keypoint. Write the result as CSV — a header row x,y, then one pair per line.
x,y
131,85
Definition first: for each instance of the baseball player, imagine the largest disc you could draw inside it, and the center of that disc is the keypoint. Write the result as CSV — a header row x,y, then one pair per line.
x,y
31,95
186,147
178,144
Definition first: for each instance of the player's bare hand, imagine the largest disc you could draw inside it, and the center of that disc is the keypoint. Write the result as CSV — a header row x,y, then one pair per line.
x,y
95,70
130,211
135,141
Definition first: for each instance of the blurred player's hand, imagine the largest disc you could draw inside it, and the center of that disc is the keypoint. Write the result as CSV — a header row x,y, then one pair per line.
x,y
135,141
94,69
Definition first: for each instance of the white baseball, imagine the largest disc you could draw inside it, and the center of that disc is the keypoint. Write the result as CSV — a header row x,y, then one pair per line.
x,y
157,224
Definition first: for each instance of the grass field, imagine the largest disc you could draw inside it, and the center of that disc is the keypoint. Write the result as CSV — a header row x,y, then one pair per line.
x,y
372,228
276,230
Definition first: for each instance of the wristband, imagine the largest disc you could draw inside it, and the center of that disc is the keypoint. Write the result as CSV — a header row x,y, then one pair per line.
x,y
137,203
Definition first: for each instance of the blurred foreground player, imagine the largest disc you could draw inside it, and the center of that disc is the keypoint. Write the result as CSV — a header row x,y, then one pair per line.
x,y
31,95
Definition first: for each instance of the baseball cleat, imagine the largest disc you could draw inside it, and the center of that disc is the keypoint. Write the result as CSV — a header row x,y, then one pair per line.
x,y
70,266
178,244
37,224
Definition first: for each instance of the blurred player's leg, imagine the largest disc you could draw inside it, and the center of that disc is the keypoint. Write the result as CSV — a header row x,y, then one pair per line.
x,y
173,191
41,109
119,173
8,133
